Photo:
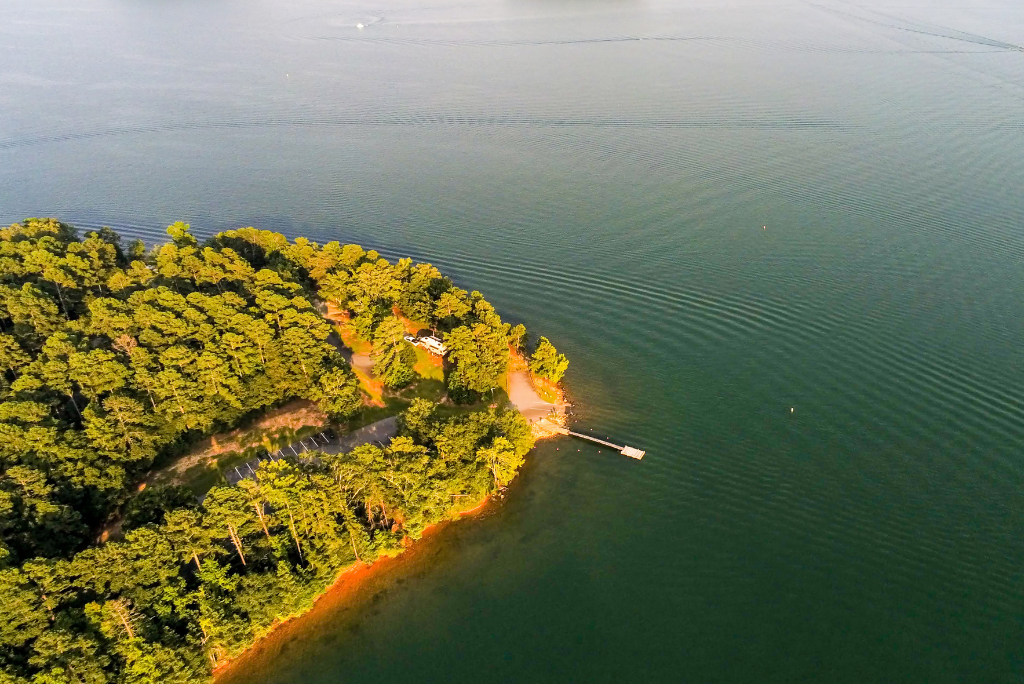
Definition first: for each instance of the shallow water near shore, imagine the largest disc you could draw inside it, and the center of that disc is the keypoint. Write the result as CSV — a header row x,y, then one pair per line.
x,y
782,244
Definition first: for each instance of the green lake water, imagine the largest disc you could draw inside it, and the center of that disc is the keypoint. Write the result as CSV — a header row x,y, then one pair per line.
x,y
781,242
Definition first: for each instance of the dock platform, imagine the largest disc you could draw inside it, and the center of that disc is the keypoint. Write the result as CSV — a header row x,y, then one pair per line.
x,y
624,450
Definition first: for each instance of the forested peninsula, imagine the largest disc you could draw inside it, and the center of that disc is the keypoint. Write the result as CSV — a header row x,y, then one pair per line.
x,y
118,360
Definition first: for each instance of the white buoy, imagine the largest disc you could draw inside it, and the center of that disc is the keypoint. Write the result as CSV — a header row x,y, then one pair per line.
x,y
360,26
791,409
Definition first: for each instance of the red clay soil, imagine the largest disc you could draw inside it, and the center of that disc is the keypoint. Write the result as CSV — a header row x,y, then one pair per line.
x,y
411,326
294,415
336,314
353,586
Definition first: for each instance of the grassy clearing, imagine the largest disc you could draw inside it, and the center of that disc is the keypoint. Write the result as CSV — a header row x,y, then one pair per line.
x,y
498,399
351,339
547,393
203,477
371,414
371,387
431,389
411,326
394,402
428,366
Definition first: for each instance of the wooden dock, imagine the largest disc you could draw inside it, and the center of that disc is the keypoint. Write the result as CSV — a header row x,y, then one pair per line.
x,y
624,450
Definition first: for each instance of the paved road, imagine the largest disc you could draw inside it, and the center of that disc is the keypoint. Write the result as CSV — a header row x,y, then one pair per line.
x,y
381,431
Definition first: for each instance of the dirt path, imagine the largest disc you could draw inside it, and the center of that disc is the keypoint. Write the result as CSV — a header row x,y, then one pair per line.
x,y
361,362
381,432
546,419
294,415
526,399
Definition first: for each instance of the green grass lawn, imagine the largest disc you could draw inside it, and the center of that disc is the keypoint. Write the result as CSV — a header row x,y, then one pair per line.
x,y
546,393
352,340
425,366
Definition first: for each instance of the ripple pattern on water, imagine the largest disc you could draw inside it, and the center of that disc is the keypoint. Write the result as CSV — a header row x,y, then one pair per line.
x,y
720,213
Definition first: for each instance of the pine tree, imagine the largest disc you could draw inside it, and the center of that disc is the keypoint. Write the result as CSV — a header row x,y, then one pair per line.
x,y
547,362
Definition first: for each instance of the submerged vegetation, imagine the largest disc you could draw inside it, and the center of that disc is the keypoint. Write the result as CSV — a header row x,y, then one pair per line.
x,y
117,359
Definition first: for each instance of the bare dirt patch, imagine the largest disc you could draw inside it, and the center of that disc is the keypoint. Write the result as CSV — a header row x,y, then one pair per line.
x,y
275,423
541,401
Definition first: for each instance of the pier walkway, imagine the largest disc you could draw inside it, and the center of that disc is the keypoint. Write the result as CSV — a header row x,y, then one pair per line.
x,y
624,450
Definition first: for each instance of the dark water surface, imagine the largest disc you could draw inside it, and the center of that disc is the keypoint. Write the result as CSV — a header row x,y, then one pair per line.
x,y
602,170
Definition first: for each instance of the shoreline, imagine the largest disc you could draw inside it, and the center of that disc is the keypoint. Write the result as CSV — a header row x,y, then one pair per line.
x,y
346,589
260,292
342,593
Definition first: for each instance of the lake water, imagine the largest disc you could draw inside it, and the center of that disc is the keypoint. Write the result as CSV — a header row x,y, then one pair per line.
x,y
782,243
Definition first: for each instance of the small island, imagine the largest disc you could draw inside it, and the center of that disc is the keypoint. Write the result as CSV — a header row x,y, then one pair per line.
x,y
197,440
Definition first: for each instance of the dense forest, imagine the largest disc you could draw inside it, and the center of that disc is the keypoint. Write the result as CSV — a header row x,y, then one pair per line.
x,y
118,358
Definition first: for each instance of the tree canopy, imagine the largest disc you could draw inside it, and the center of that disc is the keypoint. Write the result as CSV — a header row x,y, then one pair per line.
x,y
114,358
547,362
